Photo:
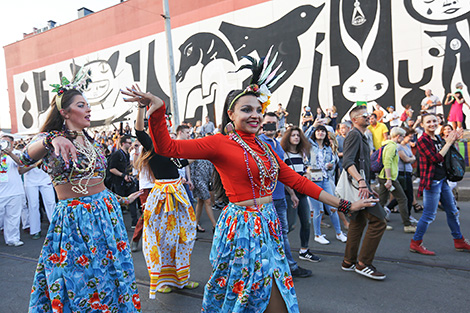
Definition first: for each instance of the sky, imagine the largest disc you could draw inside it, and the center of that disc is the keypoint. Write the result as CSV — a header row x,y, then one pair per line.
x,y
20,16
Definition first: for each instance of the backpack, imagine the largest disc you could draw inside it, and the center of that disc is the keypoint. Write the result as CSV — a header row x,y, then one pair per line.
x,y
454,164
376,164
403,116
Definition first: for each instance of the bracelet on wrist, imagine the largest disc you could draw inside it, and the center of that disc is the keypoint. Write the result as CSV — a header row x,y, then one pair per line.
x,y
362,179
344,206
123,175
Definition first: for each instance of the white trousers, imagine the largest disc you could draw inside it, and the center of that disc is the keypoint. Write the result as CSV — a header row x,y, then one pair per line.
x,y
48,197
10,210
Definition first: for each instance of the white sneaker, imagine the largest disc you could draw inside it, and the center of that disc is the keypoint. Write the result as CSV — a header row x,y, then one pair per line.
x,y
19,243
387,213
321,240
413,220
341,237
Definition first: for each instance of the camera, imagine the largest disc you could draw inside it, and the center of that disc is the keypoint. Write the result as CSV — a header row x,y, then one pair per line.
x,y
4,144
269,127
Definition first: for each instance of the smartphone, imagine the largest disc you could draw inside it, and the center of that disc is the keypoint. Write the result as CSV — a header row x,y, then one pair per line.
x,y
269,127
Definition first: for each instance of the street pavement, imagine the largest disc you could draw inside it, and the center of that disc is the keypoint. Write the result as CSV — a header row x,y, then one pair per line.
x,y
414,283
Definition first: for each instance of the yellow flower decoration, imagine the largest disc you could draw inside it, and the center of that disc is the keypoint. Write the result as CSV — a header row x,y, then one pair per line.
x,y
154,255
171,222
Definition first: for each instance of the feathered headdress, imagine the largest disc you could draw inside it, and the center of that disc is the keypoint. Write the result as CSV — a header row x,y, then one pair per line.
x,y
263,78
80,82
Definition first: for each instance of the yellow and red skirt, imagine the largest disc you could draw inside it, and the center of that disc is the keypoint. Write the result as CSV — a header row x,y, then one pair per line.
x,y
168,235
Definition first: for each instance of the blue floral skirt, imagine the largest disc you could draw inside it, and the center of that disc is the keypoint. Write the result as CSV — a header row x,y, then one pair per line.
x,y
86,264
247,254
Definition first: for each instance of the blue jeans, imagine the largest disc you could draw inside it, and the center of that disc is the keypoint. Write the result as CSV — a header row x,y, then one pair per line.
x,y
281,210
317,207
440,190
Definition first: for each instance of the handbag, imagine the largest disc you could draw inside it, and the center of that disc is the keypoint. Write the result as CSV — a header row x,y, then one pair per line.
x,y
347,187
316,174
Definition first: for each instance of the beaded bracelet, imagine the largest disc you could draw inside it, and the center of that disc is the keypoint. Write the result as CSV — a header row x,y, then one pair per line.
x,y
47,142
26,159
344,206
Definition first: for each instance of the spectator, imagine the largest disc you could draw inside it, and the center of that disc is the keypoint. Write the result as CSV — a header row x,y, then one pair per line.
x,y
307,118
297,149
322,162
279,198
379,112
433,186
392,117
388,178
344,129
281,115
332,115
379,131
208,127
121,181
456,111
430,103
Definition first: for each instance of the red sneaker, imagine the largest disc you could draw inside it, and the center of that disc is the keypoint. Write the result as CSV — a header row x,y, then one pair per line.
x,y
417,246
462,244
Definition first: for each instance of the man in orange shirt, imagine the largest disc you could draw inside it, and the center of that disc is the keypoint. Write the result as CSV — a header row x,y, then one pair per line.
x,y
379,112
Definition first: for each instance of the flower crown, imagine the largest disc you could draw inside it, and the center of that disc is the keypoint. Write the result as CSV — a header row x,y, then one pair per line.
x,y
263,79
80,83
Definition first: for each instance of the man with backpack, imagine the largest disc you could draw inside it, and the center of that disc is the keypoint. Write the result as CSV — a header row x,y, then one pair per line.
x,y
388,176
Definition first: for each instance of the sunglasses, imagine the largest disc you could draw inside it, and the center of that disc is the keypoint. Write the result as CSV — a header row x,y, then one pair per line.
x,y
365,115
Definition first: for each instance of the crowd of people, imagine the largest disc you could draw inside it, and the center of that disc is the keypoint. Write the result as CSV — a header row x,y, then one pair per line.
x,y
255,166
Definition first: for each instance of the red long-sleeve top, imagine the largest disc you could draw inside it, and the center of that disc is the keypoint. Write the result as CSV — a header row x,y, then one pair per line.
x,y
228,157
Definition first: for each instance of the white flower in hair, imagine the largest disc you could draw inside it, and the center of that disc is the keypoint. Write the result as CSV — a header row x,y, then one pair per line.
x,y
265,94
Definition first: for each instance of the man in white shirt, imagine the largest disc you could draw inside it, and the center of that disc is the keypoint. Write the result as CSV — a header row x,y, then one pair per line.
x,y
11,194
392,117
37,181
430,103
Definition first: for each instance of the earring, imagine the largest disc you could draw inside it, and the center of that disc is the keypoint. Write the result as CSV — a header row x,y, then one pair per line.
x,y
229,128
64,127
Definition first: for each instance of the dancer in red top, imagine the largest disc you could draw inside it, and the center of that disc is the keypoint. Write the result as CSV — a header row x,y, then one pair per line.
x,y
247,254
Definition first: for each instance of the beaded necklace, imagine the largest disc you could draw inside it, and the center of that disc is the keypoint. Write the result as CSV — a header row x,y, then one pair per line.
x,y
272,173
267,176
89,151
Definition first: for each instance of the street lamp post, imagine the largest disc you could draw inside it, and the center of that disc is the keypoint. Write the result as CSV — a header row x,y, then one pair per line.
x,y
171,65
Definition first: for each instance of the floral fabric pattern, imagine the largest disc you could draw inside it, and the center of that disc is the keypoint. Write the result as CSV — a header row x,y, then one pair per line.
x,y
86,264
247,254
168,235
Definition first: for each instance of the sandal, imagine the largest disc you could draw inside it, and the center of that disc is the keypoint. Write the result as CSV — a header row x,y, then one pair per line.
x,y
191,285
417,207
200,229
164,289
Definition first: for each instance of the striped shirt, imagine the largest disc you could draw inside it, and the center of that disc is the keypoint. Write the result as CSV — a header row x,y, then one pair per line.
x,y
295,161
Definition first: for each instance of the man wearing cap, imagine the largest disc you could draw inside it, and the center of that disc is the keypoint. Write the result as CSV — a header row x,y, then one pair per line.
x,y
307,118
430,102
392,117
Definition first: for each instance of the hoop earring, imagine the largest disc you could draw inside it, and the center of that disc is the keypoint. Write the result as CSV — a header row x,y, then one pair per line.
x,y
229,128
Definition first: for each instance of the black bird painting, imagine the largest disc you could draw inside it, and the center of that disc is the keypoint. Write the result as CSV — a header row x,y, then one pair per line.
x,y
201,48
282,34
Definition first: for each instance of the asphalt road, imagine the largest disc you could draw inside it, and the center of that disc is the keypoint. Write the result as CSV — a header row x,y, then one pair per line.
x,y
414,283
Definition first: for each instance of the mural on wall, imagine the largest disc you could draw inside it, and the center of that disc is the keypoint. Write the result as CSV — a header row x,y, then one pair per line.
x,y
334,53
456,52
